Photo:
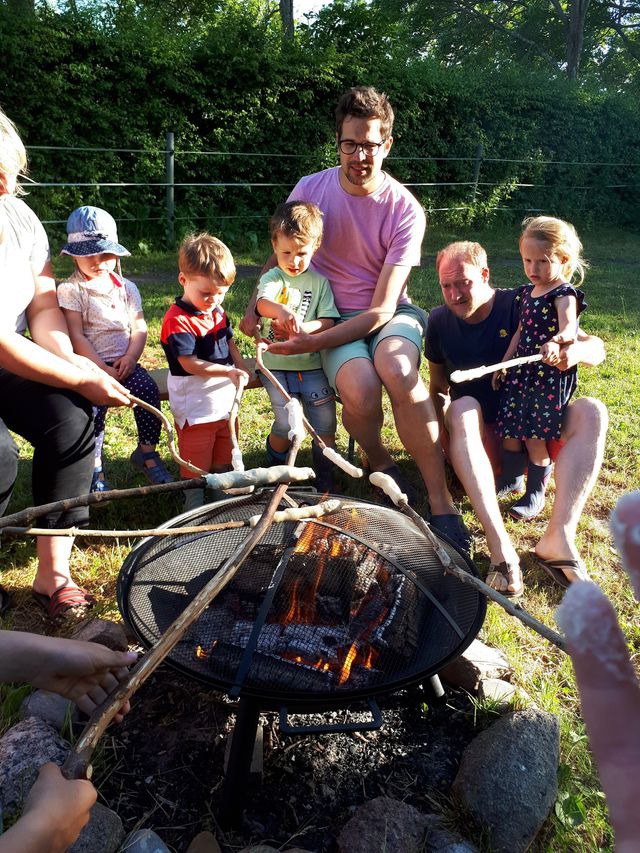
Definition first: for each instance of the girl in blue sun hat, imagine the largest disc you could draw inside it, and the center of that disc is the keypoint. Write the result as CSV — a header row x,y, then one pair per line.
x,y
106,324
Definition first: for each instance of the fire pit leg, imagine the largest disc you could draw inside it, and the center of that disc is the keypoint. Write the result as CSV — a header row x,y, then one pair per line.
x,y
236,779
434,691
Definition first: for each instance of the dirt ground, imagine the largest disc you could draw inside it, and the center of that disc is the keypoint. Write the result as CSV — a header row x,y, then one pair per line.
x,y
163,767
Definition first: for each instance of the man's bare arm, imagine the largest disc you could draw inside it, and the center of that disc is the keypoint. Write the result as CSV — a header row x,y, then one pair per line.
x,y
439,389
587,349
383,305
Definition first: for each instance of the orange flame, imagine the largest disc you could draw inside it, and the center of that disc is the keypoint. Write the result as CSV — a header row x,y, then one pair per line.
x,y
346,667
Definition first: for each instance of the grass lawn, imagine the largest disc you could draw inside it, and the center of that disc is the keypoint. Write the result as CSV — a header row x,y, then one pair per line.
x,y
613,298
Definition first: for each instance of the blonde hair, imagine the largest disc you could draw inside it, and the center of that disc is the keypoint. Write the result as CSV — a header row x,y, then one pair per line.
x,y
203,254
469,251
13,155
561,239
298,219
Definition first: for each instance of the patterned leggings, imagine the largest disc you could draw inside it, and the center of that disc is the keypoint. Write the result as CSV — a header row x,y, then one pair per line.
x,y
141,385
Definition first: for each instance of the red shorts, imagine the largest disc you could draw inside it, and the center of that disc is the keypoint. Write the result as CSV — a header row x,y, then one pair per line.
x,y
207,446
492,444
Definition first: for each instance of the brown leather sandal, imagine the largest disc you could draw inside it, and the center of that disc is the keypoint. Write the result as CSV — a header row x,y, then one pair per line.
x,y
66,601
504,575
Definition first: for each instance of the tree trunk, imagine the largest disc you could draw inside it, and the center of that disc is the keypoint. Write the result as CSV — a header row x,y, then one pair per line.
x,y
575,35
286,14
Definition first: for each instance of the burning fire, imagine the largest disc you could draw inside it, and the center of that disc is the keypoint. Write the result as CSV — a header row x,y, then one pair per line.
x,y
324,545
336,640
203,654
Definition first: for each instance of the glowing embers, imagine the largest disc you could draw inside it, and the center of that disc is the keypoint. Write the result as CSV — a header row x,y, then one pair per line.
x,y
340,617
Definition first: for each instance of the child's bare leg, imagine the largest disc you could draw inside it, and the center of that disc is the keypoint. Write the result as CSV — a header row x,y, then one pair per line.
x,y
53,564
538,452
278,443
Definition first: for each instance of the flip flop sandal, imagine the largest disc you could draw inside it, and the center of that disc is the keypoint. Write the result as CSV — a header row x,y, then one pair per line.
x,y
505,571
554,568
65,601
5,600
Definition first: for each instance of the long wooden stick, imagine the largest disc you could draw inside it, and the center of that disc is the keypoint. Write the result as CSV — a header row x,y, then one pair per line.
x,y
26,516
228,480
303,513
483,369
384,482
237,462
170,435
77,763
330,452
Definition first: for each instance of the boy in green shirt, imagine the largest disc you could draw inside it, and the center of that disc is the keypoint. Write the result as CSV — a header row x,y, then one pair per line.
x,y
293,297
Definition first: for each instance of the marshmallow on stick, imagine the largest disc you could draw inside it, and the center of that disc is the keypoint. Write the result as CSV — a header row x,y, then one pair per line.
x,y
483,369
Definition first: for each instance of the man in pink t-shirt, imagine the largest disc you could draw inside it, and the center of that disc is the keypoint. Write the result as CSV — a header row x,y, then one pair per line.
x,y
373,230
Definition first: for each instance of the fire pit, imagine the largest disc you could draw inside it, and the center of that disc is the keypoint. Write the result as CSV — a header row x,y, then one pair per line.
x,y
322,614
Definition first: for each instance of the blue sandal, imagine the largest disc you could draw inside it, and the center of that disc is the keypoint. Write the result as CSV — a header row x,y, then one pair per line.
x,y
157,474
98,481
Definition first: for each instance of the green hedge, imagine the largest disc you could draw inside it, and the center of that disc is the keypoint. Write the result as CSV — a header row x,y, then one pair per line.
x,y
226,82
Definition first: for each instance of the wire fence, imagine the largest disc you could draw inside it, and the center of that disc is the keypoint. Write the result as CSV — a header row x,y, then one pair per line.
x,y
156,193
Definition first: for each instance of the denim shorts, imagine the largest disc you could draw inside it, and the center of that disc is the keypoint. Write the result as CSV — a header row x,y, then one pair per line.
x,y
313,391
409,322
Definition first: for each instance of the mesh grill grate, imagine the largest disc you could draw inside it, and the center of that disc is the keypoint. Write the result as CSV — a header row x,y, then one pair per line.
x,y
362,606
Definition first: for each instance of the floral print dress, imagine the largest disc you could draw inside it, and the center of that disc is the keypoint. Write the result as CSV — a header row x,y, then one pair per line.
x,y
534,396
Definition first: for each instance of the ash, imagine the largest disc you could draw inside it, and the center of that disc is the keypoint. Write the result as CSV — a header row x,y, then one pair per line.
x,y
164,765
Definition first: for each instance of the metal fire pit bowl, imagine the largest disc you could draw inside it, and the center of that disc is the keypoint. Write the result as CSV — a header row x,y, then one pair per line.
x,y
346,607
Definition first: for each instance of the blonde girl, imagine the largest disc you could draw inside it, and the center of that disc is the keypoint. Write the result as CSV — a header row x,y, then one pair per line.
x,y
535,396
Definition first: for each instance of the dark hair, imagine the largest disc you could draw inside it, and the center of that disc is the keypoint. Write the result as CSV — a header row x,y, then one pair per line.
x,y
299,219
365,102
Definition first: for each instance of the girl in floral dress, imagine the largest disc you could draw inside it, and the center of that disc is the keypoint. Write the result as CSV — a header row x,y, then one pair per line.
x,y
535,395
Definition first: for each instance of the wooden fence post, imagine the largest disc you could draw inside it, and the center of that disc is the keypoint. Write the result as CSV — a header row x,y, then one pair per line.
x,y
169,172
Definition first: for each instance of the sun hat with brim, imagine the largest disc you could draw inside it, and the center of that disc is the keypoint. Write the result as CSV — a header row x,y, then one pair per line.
x,y
92,231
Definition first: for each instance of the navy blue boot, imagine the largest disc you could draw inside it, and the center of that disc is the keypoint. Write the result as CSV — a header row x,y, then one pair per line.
x,y
532,502
511,478
324,481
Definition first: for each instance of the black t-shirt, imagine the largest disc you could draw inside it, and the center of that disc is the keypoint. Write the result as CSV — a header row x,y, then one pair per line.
x,y
460,345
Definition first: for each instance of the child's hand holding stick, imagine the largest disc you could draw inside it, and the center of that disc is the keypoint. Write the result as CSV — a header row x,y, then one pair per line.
x,y
329,452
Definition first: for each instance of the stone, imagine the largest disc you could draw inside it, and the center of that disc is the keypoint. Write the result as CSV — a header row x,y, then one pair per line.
x,y
475,664
23,750
108,634
204,842
103,833
508,777
49,707
384,824
144,841
496,690
259,848
440,840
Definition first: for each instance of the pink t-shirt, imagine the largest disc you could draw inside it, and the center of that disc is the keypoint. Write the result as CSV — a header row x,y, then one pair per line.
x,y
361,234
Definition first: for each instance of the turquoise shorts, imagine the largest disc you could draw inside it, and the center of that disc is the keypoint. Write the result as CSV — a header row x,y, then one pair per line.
x,y
409,322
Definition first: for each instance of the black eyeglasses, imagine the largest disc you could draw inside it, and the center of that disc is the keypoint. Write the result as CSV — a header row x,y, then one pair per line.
x,y
370,149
